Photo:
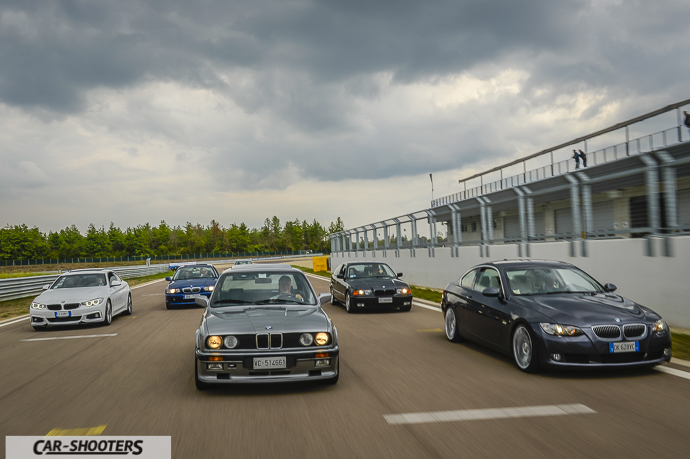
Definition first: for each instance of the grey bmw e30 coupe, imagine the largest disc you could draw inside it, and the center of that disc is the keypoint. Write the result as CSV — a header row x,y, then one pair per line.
x,y
264,323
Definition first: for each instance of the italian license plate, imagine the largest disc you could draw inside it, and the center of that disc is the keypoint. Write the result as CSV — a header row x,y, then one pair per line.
x,y
63,314
385,300
269,363
189,297
633,346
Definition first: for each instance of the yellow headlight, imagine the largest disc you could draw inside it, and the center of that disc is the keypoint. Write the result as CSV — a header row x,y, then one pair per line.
x,y
321,339
214,342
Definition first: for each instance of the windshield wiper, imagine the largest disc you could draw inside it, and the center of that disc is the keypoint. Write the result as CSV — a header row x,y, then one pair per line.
x,y
232,302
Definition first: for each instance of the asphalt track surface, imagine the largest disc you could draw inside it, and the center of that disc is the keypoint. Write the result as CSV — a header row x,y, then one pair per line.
x,y
139,381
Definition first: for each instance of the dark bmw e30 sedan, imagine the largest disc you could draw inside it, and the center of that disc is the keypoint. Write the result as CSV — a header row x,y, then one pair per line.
x,y
552,314
264,323
369,284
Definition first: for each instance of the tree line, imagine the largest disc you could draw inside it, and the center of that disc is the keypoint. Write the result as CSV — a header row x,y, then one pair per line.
x,y
19,242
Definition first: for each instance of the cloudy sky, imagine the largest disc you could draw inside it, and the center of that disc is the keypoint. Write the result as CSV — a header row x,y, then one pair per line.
x,y
142,111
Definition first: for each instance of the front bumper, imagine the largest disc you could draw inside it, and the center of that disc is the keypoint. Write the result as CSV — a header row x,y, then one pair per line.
x,y
237,367
178,299
588,351
81,315
396,301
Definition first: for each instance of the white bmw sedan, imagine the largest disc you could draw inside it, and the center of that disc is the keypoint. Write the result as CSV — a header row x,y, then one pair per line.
x,y
81,296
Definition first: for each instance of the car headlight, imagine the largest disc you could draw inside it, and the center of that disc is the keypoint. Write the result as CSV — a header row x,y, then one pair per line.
x,y
561,330
214,342
404,291
208,289
38,306
321,339
172,290
231,342
660,327
361,292
94,302
306,339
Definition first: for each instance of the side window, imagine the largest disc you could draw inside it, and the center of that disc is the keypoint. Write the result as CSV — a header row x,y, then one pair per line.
x,y
112,277
468,279
342,269
488,278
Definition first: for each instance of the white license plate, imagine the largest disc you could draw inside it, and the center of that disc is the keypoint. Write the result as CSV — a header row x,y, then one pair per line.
x,y
633,346
385,300
189,297
63,314
269,363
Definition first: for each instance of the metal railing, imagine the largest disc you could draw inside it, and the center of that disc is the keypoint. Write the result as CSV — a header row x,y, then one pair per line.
x,y
22,287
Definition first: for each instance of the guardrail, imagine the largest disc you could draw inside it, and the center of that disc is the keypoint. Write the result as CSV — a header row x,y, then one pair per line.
x,y
22,287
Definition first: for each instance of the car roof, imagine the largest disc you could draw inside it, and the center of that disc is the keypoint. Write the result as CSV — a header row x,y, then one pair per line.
x,y
364,261
243,259
263,267
525,263
206,265
83,270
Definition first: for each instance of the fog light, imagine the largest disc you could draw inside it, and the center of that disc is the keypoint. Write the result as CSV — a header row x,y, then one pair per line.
x,y
36,319
232,366
323,363
667,352
556,357
407,303
360,305
214,366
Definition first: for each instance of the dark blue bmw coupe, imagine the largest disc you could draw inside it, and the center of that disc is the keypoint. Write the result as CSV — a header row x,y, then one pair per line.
x,y
552,314
189,283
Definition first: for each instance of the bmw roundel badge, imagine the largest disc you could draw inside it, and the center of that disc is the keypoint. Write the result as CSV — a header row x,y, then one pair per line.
x,y
617,320
268,327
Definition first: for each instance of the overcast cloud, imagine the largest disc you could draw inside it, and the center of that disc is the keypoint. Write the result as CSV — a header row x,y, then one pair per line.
x,y
136,111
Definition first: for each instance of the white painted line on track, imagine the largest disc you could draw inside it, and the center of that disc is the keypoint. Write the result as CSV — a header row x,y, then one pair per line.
x,y
69,337
492,413
326,279
15,321
420,305
673,371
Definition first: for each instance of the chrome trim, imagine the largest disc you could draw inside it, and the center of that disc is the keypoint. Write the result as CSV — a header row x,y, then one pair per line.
x,y
618,338
636,338
268,338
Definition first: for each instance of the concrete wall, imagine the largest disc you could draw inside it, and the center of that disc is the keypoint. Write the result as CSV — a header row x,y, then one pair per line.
x,y
659,282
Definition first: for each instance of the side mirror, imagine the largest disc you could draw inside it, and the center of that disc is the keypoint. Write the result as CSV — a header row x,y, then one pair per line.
x,y
201,301
399,274
324,298
491,292
610,287
168,278
46,287
116,284
340,276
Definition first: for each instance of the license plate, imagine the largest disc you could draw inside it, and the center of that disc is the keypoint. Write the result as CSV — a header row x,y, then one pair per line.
x,y
189,297
633,346
385,300
269,363
63,314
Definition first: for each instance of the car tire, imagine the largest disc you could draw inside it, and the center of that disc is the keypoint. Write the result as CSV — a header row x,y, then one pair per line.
x,y
451,326
128,311
334,379
525,353
200,385
334,301
349,307
108,314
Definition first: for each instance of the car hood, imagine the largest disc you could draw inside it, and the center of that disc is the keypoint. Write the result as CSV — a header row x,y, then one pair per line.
x,y
71,295
376,283
255,319
203,282
584,309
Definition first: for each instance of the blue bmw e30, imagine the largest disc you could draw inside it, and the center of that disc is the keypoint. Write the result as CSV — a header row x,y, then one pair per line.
x,y
189,283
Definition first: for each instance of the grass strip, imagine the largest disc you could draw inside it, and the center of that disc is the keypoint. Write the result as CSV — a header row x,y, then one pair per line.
x,y
425,293
681,345
326,274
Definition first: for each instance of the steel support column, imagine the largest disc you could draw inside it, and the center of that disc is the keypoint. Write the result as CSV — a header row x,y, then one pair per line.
x,y
668,175
399,239
521,215
586,210
575,209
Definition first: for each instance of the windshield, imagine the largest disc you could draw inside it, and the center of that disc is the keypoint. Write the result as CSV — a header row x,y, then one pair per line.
x,y
368,270
244,262
256,287
194,272
80,280
545,281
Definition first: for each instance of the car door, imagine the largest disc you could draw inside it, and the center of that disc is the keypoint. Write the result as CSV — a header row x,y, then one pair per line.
x,y
116,292
459,297
340,286
490,315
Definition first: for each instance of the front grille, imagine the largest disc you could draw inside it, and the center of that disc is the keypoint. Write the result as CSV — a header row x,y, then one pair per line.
x,y
54,307
191,289
276,340
607,331
63,319
634,330
245,342
262,341
71,306
384,292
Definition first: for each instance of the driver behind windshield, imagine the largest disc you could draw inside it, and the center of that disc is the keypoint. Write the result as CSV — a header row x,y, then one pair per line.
x,y
285,289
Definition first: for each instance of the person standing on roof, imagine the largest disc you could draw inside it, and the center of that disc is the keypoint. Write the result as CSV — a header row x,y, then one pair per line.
x,y
576,157
583,157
